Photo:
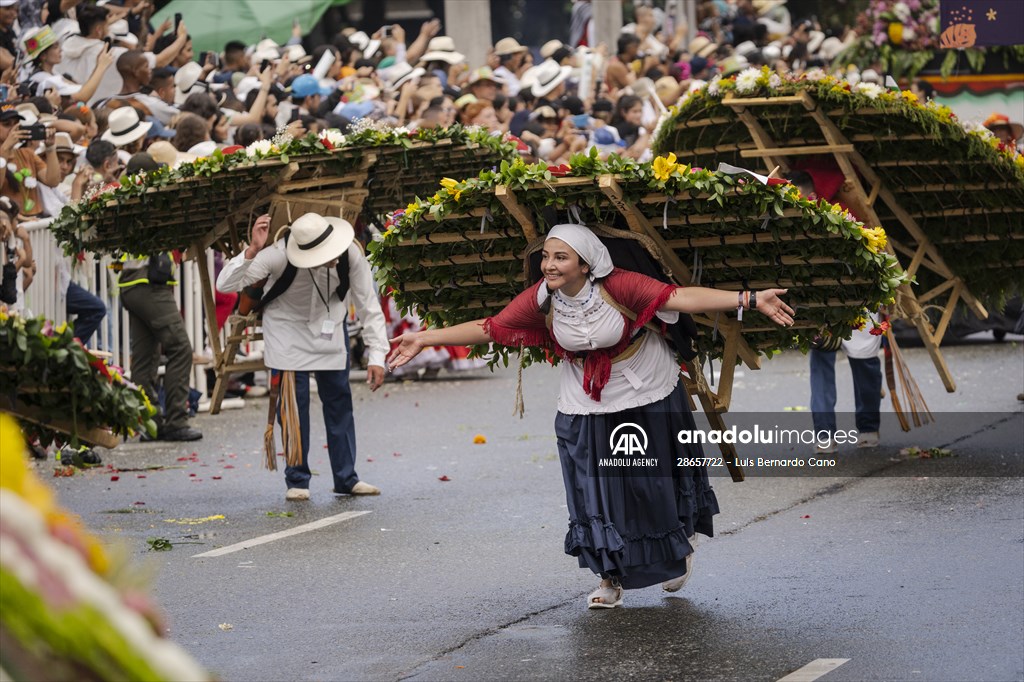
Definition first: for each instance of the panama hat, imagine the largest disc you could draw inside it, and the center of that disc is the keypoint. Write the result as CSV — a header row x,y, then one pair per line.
x,y
316,240
547,76
186,82
701,46
124,127
442,49
402,73
507,46
120,33
63,143
551,47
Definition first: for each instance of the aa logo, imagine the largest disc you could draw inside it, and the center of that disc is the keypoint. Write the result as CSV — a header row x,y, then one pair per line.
x,y
628,439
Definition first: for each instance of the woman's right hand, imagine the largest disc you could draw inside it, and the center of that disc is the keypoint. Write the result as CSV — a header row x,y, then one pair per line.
x,y
409,346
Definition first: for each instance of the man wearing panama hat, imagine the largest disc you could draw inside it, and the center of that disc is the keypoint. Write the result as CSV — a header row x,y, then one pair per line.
x,y
310,273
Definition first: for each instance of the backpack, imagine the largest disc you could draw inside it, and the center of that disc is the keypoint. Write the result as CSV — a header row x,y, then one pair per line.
x,y
254,300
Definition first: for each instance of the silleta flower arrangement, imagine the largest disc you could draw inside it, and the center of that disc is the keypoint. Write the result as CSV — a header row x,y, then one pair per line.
x,y
191,198
45,369
955,179
458,255
68,609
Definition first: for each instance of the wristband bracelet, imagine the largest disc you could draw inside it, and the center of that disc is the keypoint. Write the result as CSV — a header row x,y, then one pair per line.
x,y
753,300
739,307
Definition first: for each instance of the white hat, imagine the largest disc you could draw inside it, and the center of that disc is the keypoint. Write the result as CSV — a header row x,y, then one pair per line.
x,y
442,49
746,48
245,86
8,3
64,87
119,32
547,76
316,240
550,47
29,113
830,48
204,148
65,145
296,54
814,41
124,127
266,49
186,81
507,46
401,73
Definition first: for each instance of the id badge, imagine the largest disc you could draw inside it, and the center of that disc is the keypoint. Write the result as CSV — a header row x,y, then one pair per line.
x,y
327,330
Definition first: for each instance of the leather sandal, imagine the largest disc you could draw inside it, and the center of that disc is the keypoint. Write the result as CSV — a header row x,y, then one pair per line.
x,y
676,584
605,597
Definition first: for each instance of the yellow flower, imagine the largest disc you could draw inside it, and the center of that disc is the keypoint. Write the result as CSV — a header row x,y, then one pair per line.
x,y
479,439
876,238
664,166
451,186
412,208
909,96
859,323
62,327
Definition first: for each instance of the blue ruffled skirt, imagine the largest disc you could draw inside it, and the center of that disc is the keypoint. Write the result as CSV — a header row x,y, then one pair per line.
x,y
631,512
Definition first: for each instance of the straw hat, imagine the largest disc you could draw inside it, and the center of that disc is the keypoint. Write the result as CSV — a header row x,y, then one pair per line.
x,y
316,240
120,33
507,46
163,152
402,73
701,46
549,48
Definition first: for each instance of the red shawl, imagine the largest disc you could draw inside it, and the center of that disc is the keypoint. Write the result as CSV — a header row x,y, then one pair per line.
x,y
520,323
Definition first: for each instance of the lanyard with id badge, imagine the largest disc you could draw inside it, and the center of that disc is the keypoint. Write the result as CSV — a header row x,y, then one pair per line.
x,y
328,326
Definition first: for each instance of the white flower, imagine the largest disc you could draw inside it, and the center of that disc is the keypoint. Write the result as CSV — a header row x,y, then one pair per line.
x,y
908,34
901,11
713,86
774,81
31,182
12,167
976,128
747,80
816,74
870,90
259,148
333,136
401,130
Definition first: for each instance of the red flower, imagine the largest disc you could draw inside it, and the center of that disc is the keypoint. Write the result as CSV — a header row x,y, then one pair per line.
x,y
327,143
880,328
559,171
233,149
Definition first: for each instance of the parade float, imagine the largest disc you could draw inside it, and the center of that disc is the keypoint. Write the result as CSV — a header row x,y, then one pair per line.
x,y
464,252
211,202
68,610
61,392
949,195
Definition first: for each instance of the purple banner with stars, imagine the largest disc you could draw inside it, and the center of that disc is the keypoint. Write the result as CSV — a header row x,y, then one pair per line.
x,y
977,23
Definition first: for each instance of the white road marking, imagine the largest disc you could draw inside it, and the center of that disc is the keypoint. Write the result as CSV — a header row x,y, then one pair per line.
x,y
264,539
814,670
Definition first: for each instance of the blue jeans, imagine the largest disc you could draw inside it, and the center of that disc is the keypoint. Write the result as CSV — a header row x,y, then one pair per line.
x,y
867,391
89,309
336,396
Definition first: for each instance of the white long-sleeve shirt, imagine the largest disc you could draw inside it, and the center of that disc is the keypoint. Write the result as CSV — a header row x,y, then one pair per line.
x,y
293,322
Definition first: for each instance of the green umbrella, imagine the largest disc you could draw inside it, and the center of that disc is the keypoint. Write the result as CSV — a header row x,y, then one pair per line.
x,y
213,23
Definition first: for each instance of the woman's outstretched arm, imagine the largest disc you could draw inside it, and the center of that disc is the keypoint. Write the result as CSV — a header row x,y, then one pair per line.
x,y
411,343
705,300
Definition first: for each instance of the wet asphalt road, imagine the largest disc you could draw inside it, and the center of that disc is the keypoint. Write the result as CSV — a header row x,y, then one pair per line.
x,y
912,570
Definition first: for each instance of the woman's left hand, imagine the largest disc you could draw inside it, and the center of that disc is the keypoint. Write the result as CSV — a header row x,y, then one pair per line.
x,y
774,308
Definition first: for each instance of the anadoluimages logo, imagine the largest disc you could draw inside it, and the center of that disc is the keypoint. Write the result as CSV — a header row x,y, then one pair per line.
x,y
628,439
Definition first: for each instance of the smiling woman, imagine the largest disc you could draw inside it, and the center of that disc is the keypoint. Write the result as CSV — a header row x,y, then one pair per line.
x,y
632,525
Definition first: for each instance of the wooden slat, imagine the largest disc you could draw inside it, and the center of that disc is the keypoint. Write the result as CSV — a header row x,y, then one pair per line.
x,y
797,151
522,216
736,239
486,280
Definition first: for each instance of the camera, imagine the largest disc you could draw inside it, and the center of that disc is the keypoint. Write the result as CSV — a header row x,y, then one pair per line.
x,y
37,131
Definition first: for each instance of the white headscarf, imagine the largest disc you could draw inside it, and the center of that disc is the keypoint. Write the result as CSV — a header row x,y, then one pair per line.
x,y
589,248
587,244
